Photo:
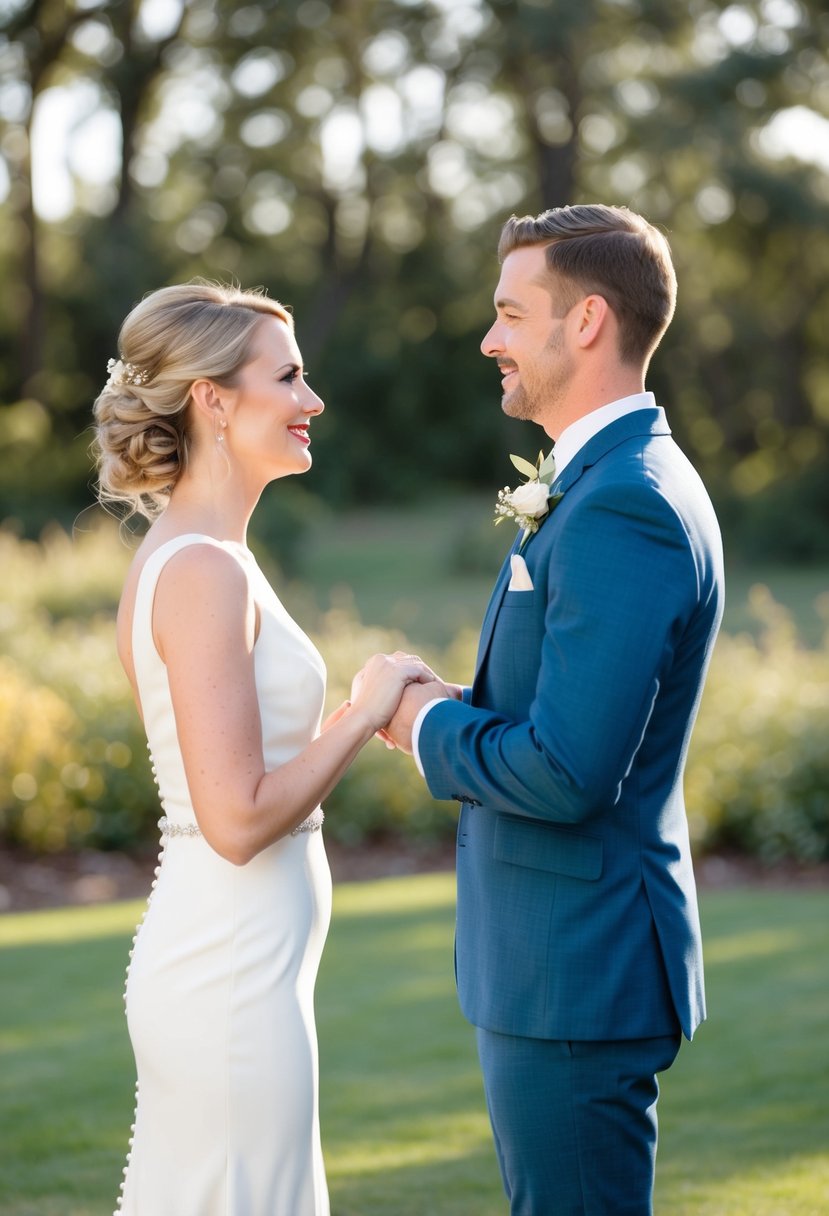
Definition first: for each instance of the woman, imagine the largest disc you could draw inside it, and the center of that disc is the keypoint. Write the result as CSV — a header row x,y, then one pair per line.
x,y
206,405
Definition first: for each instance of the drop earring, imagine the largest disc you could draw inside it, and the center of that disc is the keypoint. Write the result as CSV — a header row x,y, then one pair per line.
x,y
220,433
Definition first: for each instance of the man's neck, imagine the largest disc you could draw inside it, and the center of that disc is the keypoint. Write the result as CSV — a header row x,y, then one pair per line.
x,y
586,398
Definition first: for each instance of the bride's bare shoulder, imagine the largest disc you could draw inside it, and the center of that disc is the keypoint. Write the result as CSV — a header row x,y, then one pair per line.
x,y
200,584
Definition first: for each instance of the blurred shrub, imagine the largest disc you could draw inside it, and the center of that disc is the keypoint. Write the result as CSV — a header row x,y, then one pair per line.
x,y
62,576
41,477
758,771
73,768
73,762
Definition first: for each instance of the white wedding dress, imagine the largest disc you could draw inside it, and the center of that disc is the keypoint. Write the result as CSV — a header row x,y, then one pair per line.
x,y
220,985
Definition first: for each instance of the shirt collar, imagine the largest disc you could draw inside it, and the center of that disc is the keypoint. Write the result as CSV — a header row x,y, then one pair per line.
x,y
573,438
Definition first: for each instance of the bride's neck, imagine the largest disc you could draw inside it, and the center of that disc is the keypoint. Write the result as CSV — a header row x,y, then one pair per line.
x,y
217,508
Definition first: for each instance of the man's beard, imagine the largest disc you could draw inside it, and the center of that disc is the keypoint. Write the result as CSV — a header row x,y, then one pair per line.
x,y
528,404
517,404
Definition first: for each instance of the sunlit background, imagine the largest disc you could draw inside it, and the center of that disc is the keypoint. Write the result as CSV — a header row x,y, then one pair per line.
x,y
357,159
77,145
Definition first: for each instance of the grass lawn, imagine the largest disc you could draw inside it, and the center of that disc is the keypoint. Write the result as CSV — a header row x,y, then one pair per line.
x,y
744,1112
428,570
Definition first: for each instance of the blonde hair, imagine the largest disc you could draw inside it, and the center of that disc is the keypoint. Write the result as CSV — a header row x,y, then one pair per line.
x,y
176,335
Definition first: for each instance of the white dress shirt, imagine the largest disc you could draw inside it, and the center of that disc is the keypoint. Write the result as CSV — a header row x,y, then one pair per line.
x,y
570,442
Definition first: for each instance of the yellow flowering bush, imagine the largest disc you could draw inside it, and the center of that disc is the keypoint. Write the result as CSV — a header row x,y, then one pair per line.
x,y
73,766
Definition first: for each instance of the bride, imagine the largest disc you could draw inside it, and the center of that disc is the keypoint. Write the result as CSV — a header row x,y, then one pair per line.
x,y
206,405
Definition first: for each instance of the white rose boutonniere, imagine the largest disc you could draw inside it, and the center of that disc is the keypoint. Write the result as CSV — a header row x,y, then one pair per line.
x,y
530,503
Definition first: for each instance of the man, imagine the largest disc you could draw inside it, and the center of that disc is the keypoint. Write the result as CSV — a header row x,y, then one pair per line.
x,y
578,953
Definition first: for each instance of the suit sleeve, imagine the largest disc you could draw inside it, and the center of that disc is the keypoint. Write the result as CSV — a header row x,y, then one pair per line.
x,y
621,586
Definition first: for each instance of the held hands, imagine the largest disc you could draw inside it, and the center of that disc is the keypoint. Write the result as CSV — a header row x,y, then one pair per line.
x,y
398,731
378,688
391,690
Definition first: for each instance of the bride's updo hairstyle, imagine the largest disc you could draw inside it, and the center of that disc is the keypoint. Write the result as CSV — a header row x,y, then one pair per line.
x,y
175,336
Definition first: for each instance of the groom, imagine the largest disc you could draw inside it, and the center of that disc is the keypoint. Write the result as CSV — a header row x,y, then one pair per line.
x,y
578,953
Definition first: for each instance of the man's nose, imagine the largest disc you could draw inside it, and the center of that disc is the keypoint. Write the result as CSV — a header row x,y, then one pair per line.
x,y
491,344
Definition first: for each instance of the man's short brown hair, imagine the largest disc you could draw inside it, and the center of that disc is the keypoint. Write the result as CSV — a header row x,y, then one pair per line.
x,y
609,251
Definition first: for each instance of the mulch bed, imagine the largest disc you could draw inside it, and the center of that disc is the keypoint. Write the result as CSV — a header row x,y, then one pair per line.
x,y
33,881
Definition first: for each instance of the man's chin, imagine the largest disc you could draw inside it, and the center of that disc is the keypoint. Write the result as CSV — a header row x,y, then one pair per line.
x,y
516,405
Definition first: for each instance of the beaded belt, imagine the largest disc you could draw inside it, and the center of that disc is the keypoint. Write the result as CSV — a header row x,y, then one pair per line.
x,y
168,828
312,824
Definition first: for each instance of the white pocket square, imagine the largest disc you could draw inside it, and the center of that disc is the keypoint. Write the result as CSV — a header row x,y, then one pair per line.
x,y
520,580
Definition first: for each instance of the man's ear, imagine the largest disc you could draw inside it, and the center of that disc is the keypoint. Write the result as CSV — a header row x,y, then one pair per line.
x,y
593,317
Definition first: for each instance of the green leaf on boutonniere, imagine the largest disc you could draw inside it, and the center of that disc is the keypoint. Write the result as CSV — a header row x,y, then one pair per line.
x,y
524,466
547,467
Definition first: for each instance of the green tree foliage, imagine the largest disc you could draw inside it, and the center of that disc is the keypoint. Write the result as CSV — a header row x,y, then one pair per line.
x,y
357,158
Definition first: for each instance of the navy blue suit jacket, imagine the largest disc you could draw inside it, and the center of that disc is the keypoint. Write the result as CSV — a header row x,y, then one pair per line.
x,y
577,914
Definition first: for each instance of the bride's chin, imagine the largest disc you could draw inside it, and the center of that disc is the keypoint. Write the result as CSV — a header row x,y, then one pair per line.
x,y
295,470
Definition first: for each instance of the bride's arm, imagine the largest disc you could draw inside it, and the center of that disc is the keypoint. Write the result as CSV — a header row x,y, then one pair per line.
x,y
204,624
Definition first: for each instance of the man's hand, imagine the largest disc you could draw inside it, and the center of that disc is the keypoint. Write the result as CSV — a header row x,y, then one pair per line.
x,y
415,696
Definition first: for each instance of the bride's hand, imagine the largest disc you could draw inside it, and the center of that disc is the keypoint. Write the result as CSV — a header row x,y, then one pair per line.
x,y
378,687
441,689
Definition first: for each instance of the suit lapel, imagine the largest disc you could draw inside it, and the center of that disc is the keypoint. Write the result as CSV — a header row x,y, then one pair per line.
x,y
648,421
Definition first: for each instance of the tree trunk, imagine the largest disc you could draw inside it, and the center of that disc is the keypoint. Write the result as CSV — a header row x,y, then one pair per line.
x,y
42,48
32,336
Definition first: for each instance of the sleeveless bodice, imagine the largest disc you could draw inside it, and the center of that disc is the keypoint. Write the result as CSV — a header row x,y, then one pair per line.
x,y
289,672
